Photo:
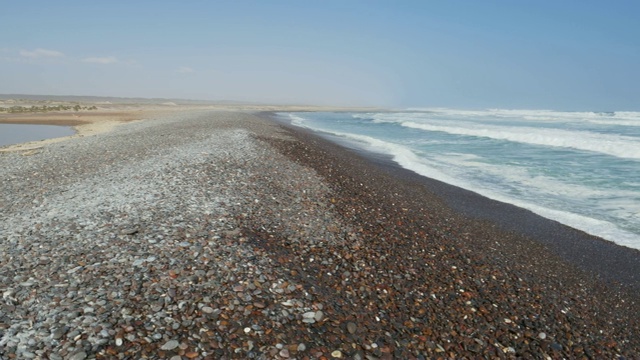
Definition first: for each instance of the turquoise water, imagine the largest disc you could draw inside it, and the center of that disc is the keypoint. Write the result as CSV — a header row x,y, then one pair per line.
x,y
579,168
18,133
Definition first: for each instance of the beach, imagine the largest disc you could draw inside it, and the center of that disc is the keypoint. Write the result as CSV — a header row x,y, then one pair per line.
x,y
218,232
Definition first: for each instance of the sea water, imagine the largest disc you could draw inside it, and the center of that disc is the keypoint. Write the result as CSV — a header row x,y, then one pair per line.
x,y
578,168
19,133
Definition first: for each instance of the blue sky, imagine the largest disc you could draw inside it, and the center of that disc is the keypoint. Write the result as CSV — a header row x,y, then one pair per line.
x,y
560,54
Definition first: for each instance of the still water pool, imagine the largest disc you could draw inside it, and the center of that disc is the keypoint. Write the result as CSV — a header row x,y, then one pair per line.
x,y
19,133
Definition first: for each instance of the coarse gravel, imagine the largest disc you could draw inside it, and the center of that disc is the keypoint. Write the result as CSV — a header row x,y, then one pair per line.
x,y
120,244
213,235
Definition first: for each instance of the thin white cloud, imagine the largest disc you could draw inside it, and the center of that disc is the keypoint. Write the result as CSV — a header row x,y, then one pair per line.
x,y
101,60
185,70
40,53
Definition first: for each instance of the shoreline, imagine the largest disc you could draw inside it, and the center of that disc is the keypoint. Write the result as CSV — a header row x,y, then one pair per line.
x,y
391,195
107,117
85,123
209,234
603,258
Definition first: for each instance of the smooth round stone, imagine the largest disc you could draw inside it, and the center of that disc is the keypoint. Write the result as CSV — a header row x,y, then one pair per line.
x,y
284,353
57,334
79,356
309,315
351,328
170,345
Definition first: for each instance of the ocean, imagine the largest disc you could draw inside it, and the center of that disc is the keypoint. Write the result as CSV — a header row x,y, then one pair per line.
x,y
581,169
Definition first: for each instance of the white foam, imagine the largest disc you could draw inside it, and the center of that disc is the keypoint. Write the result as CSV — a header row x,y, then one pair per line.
x,y
625,118
298,121
614,145
441,169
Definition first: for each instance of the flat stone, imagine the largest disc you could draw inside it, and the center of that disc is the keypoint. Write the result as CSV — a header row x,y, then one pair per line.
x,y
78,356
130,231
170,345
556,347
57,333
309,315
351,327
284,353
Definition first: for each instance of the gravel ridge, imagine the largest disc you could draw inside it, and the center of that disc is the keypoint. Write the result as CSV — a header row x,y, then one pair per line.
x,y
210,235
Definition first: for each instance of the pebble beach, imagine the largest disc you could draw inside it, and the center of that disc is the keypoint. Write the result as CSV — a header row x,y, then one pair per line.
x,y
226,235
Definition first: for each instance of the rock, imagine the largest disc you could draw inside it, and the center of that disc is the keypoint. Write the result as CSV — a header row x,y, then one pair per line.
x,y
309,315
57,333
542,336
284,353
170,345
351,327
130,231
556,347
337,354
78,356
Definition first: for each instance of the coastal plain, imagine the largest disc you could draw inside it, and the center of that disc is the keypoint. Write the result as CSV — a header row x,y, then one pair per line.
x,y
212,232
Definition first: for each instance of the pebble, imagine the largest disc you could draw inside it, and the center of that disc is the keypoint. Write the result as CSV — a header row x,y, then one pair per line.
x,y
78,356
170,345
351,327
57,333
284,353
210,273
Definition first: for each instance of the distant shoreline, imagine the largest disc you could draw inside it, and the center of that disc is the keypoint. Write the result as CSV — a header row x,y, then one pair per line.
x,y
110,112
604,258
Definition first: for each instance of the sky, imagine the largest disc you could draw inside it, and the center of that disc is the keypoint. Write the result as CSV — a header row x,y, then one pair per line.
x,y
543,54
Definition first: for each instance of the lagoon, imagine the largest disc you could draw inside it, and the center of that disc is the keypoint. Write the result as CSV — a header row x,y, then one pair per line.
x,y
18,133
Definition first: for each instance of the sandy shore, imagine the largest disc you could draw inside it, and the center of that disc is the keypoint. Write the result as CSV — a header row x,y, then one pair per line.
x,y
206,235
